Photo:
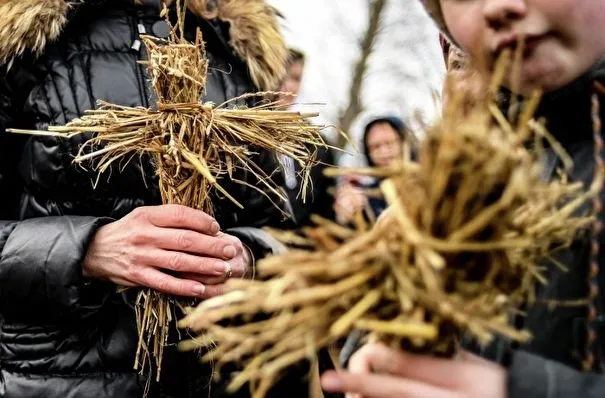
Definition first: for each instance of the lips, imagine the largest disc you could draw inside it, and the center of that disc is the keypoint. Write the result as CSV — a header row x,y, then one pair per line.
x,y
512,42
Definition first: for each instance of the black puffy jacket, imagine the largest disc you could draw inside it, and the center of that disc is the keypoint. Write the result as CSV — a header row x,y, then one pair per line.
x,y
60,335
550,364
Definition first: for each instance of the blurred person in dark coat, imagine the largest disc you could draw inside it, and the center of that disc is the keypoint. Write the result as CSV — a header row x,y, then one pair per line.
x,y
318,198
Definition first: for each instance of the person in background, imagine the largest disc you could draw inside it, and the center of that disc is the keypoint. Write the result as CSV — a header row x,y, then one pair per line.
x,y
295,68
381,144
318,197
565,58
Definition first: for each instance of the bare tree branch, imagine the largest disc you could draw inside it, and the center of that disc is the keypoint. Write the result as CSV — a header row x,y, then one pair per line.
x,y
355,105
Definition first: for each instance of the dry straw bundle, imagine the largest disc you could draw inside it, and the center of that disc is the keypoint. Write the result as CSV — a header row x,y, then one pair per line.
x,y
460,247
193,145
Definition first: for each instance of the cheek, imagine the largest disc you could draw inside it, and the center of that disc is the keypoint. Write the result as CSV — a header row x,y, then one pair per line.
x,y
588,22
582,19
465,23
580,25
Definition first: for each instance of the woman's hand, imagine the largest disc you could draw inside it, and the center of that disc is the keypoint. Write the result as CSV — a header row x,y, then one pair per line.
x,y
376,371
170,248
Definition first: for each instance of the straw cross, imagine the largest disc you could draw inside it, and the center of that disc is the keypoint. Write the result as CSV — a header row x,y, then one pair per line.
x,y
193,145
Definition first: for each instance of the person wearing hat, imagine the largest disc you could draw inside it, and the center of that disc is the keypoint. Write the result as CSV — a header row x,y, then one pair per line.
x,y
381,144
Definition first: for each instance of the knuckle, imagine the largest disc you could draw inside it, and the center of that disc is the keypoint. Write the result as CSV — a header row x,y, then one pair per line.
x,y
184,240
133,257
134,274
137,236
139,214
179,214
176,262
163,284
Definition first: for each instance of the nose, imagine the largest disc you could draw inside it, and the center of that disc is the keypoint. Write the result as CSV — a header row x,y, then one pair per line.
x,y
501,14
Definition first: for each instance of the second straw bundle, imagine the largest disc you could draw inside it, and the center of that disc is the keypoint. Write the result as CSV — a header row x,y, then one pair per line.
x,y
468,230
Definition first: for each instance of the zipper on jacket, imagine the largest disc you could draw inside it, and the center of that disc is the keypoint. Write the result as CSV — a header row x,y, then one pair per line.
x,y
136,28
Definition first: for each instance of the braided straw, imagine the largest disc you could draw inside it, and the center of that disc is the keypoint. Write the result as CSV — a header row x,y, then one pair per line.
x,y
593,270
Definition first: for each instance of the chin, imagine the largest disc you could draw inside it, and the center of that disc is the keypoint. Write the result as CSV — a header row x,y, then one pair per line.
x,y
547,82
550,71
545,77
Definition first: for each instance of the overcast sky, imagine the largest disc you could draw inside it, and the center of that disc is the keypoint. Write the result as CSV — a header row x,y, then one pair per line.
x,y
406,69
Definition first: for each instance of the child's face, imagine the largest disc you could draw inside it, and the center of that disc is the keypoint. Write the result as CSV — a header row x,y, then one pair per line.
x,y
564,38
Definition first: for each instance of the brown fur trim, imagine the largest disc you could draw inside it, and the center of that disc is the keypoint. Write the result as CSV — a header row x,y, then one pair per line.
x,y
255,36
29,25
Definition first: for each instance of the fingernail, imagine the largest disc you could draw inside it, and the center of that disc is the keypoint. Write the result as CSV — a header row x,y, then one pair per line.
x,y
331,382
215,228
199,290
229,252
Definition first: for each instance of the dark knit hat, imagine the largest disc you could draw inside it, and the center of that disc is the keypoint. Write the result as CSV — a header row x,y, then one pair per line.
x,y
396,123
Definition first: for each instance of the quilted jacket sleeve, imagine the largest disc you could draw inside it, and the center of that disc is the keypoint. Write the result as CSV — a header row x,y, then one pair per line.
x,y
531,376
40,266
40,259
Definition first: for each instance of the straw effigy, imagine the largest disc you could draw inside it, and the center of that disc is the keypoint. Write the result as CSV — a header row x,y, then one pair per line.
x,y
193,146
466,235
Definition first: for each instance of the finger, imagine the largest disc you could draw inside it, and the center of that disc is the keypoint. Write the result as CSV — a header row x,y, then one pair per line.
x,y
472,358
237,268
359,362
435,371
181,262
177,216
150,277
204,280
233,239
381,386
185,241
214,290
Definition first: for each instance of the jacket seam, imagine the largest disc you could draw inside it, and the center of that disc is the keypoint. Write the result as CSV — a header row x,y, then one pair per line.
x,y
72,87
63,375
57,92
47,101
86,70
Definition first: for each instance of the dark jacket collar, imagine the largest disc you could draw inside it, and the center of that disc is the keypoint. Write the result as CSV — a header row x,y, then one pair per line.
x,y
567,110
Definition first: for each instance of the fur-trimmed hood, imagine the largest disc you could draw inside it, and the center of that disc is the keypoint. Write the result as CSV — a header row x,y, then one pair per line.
x,y
28,25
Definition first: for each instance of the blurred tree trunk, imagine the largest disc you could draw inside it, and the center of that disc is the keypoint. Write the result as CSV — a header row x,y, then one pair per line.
x,y
355,105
